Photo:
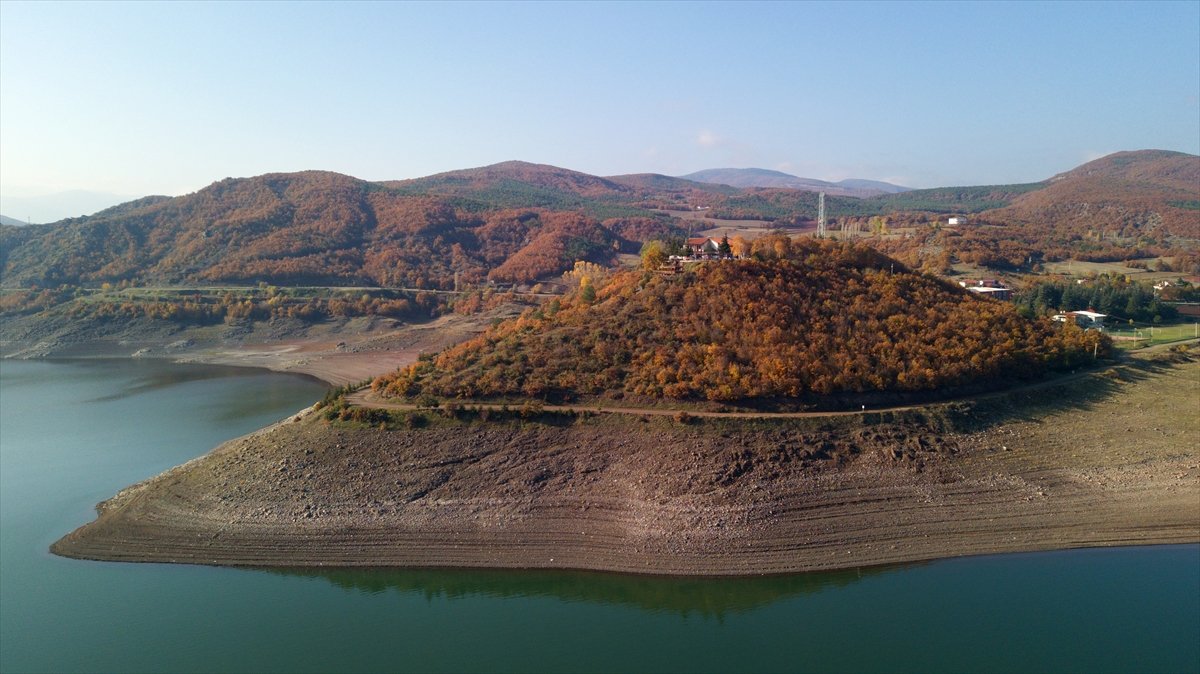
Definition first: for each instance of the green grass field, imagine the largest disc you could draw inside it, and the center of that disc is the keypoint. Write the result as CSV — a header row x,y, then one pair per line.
x,y
1081,269
1142,335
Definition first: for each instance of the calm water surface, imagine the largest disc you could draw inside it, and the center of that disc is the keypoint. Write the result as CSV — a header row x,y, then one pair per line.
x,y
74,433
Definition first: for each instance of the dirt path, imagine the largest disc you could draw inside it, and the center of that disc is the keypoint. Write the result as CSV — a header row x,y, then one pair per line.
x,y
369,399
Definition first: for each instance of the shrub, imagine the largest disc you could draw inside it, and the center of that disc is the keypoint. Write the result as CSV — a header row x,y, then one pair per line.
x,y
426,400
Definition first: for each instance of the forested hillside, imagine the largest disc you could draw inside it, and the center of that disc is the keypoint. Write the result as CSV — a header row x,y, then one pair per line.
x,y
1124,206
801,317
313,228
1150,193
517,222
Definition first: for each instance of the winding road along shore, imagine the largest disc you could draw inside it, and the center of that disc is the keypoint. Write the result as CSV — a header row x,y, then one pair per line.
x,y
1107,458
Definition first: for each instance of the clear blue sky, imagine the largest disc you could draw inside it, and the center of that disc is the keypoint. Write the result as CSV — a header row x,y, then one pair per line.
x,y
165,98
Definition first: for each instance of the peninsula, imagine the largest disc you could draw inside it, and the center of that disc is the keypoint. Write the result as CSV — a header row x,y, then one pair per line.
x,y
1108,458
498,452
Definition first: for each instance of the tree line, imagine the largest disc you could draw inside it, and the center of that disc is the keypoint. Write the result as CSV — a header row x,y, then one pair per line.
x,y
1106,294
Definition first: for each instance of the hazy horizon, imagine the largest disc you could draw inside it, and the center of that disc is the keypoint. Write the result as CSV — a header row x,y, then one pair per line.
x,y
138,99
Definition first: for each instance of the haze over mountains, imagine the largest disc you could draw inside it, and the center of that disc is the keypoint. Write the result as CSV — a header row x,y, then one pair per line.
x,y
516,222
757,177
42,208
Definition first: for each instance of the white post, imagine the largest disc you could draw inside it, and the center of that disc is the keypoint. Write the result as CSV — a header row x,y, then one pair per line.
x,y
821,215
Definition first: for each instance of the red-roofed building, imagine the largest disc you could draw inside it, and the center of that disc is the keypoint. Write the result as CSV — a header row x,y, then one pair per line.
x,y
704,246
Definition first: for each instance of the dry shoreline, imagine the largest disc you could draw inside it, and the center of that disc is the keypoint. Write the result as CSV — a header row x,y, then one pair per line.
x,y
1109,459
336,353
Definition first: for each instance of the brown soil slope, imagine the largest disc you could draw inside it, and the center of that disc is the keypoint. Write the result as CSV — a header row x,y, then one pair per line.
x,y
1106,460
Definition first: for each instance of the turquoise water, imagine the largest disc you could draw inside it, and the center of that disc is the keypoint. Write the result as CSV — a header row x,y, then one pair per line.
x,y
73,433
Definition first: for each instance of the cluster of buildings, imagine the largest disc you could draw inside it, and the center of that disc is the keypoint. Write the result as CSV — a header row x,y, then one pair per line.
x,y
702,248
994,288
698,248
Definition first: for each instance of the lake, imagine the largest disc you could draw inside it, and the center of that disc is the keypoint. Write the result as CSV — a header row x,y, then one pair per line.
x,y
73,433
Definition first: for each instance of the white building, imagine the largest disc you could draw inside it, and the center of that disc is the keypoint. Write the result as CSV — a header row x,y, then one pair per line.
x,y
998,293
1084,319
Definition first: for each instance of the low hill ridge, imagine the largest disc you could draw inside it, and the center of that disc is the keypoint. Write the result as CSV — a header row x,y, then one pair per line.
x,y
1162,167
310,227
885,187
465,181
757,177
12,222
1126,194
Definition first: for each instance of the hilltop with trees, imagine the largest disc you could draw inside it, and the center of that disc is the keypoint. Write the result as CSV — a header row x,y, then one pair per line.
x,y
799,318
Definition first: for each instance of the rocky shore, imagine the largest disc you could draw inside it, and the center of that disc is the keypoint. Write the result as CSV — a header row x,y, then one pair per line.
x,y
1107,459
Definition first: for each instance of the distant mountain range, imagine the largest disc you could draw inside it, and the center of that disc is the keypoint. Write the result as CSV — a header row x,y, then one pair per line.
x,y
517,222
757,177
5,220
55,207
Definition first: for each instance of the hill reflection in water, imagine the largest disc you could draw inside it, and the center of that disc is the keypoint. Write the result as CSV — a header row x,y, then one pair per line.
x,y
705,596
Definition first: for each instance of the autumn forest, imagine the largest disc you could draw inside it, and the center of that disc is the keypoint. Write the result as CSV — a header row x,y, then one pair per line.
x,y
799,317
518,223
